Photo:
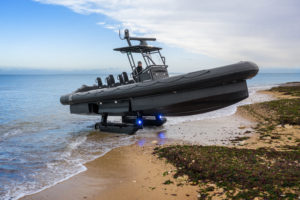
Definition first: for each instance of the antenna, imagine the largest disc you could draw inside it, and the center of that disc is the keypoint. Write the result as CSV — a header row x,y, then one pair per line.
x,y
120,35
127,37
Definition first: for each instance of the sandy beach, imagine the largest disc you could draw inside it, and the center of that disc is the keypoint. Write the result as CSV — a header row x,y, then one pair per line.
x,y
133,172
130,172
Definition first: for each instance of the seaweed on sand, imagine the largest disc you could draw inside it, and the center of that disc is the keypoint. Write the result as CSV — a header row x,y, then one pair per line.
x,y
288,90
283,111
242,173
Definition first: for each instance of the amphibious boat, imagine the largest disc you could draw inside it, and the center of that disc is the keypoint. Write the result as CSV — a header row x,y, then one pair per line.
x,y
150,95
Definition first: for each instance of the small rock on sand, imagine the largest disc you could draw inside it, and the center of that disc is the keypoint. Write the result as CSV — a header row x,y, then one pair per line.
x,y
287,126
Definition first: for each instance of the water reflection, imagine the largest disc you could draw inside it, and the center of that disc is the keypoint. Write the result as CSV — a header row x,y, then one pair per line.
x,y
141,142
160,139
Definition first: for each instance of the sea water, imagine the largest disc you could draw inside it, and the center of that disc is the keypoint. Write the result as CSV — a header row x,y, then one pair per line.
x,y
42,144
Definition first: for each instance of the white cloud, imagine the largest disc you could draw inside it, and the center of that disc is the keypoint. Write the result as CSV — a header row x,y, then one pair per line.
x,y
266,31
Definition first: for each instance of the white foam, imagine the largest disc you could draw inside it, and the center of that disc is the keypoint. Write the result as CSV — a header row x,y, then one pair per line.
x,y
24,192
12,132
73,145
73,165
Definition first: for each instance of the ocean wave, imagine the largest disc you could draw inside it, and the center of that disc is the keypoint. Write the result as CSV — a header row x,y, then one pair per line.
x,y
65,162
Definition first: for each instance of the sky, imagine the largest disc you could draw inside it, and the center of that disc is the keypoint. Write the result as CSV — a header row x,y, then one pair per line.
x,y
194,34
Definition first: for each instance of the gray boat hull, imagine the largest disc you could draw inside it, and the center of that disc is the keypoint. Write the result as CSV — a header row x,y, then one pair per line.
x,y
192,93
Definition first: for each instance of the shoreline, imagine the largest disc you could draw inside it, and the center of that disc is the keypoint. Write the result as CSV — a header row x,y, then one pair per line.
x,y
103,175
119,165
144,147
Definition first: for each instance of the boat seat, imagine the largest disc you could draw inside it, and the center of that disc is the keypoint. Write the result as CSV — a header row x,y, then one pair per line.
x,y
110,80
125,77
99,81
121,79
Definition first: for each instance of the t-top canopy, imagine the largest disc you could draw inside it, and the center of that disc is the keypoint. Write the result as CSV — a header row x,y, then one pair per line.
x,y
137,49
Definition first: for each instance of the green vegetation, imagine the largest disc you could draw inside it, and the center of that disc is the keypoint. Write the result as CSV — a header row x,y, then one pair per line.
x,y
287,111
165,173
288,90
242,173
275,114
168,182
283,111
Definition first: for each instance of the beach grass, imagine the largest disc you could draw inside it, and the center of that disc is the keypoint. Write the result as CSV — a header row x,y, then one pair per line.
x,y
242,173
